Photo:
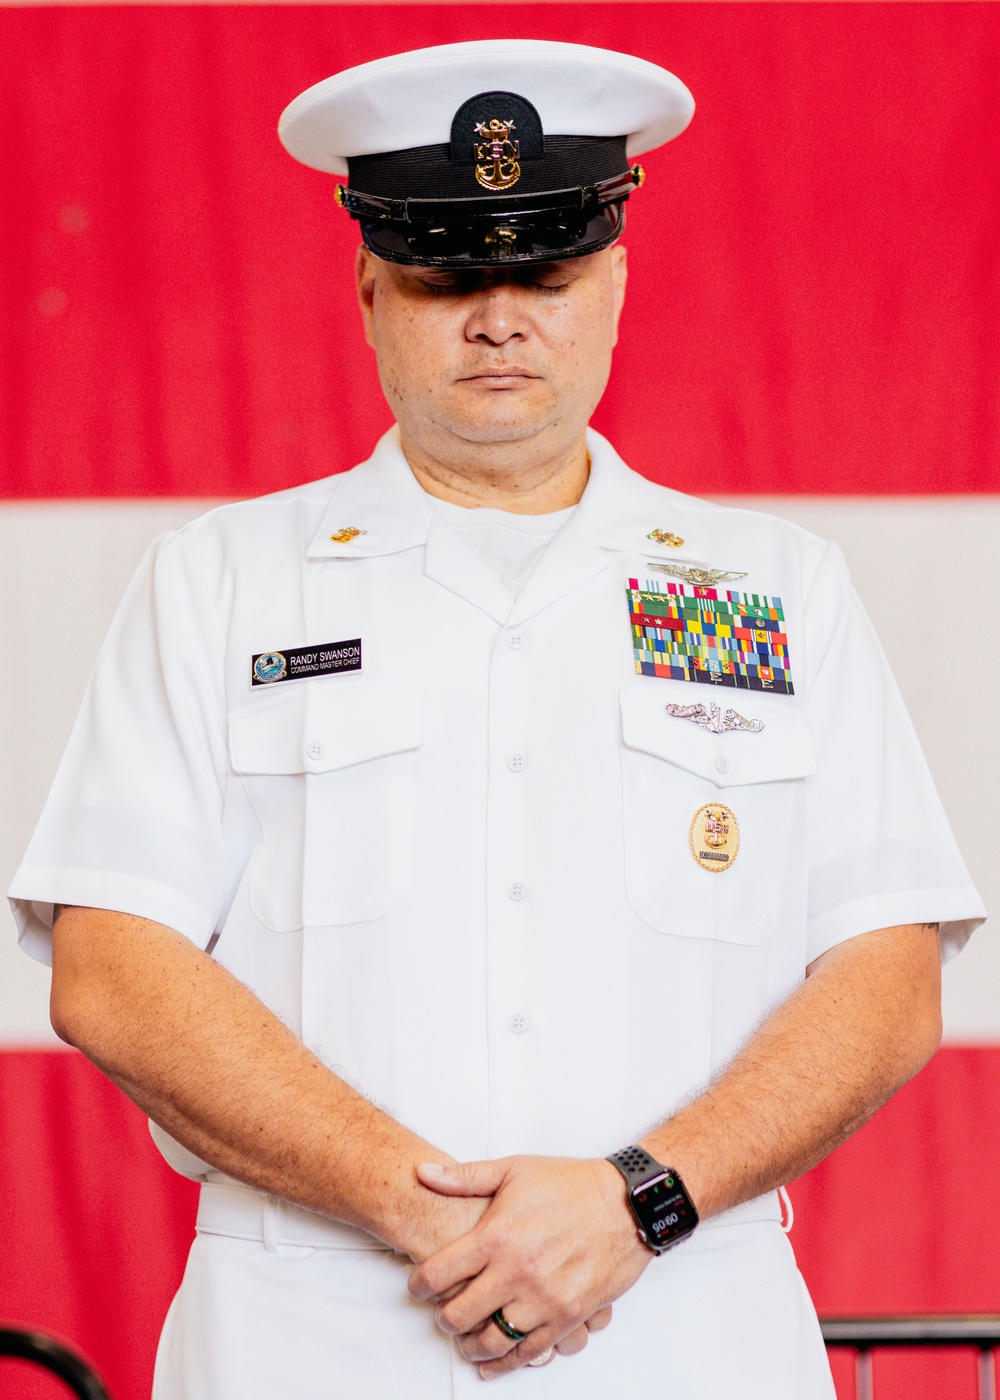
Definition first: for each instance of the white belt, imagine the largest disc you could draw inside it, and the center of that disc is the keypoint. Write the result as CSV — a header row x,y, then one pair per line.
x,y
243,1213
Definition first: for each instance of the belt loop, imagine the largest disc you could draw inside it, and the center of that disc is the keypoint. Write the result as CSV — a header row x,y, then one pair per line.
x,y
271,1217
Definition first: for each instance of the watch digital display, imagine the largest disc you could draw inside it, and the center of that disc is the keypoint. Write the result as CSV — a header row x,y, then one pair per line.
x,y
664,1210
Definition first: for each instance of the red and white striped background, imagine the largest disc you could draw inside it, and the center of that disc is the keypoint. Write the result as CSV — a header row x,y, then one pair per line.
x,y
811,322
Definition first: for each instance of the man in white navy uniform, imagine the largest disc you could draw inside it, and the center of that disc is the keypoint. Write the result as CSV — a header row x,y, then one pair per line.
x,y
491,871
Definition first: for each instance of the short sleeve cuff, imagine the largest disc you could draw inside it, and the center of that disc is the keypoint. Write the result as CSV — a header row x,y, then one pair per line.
x,y
959,912
35,890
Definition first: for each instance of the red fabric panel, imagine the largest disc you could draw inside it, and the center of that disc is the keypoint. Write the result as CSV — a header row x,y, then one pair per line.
x,y
94,1226
814,293
902,1219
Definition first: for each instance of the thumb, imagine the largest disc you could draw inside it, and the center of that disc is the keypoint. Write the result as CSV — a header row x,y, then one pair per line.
x,y
463,1178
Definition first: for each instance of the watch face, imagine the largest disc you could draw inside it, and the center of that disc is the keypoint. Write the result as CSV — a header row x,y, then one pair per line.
x,y
663,1210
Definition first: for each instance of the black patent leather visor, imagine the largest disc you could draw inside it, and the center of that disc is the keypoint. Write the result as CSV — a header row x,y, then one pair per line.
x,y
502,239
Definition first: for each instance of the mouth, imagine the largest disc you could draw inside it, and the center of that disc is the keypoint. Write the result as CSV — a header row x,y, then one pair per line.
x,y
502,377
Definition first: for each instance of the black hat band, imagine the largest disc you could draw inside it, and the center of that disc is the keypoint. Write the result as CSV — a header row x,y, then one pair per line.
x,y
422,171
377,208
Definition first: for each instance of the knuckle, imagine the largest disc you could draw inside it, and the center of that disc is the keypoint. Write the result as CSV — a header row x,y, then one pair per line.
x,y
502,1237
567,1312
574,1342
448,1318
555,1315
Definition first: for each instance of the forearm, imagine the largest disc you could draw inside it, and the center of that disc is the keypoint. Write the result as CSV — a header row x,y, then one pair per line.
x,y
204,1058
865,1021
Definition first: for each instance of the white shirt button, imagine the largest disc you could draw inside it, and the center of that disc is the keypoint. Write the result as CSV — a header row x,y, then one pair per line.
x,y
518,1024
722,763
517,762
516,640
315,750
515,890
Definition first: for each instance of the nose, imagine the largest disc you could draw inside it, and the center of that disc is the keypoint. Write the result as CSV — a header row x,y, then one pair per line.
x,y
497,316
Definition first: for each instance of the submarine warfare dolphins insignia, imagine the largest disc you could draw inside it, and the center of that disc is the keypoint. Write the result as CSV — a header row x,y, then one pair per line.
x,y
711,717
497,156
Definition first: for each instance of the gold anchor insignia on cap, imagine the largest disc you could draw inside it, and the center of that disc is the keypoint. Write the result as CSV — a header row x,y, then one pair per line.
x,y
497,156
665,537
692,573
711,717
348,533
714,837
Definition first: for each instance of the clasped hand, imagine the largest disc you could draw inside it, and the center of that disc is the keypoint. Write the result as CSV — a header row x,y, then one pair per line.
x,y
554,1248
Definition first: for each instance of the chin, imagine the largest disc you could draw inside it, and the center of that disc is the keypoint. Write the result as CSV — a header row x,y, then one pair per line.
x,y
500,425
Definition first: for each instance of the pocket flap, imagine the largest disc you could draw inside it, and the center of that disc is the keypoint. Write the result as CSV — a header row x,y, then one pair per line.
x,y
782,749
317,727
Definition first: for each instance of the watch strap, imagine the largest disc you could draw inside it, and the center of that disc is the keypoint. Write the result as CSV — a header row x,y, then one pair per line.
x,y
635,1165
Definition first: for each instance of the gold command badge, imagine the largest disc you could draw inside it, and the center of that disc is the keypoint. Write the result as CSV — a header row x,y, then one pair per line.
x,y
348,533
714,837
497,156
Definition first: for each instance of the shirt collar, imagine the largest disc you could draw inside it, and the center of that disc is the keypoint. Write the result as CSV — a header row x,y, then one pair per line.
x,y
382,498
620,509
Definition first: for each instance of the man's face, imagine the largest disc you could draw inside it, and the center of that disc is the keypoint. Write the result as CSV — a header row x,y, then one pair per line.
x,y
473,360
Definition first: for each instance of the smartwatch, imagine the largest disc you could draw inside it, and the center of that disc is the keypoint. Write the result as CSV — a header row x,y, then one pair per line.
x,y
663,1210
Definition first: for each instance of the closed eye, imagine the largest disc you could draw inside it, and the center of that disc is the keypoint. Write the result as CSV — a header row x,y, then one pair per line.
x,y
466,286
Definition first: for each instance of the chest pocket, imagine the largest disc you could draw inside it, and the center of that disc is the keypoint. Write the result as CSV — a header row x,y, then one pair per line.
x,y
671,768
331,772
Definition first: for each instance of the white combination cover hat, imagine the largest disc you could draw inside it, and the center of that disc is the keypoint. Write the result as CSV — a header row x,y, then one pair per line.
x,y
512,149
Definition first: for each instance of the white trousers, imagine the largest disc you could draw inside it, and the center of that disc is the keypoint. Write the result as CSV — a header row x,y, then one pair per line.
x,y
725,1316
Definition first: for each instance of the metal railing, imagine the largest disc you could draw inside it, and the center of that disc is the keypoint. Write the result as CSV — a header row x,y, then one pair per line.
x,y
864,1334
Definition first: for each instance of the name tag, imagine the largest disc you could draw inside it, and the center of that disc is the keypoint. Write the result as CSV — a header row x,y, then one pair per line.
x,y
299,663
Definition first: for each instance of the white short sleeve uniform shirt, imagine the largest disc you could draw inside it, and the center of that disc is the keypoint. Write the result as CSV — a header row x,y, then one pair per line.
x,y
464,874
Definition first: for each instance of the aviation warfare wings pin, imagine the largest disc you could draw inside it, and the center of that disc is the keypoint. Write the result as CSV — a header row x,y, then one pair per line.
x,y
694,573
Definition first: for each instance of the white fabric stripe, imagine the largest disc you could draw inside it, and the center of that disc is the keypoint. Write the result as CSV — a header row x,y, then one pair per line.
x,y
63,566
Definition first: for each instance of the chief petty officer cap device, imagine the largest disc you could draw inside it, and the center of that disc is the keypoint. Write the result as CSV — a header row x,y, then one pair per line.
x,y
464,155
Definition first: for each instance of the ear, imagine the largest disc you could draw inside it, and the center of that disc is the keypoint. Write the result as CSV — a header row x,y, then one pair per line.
x,y
619,277
364,278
